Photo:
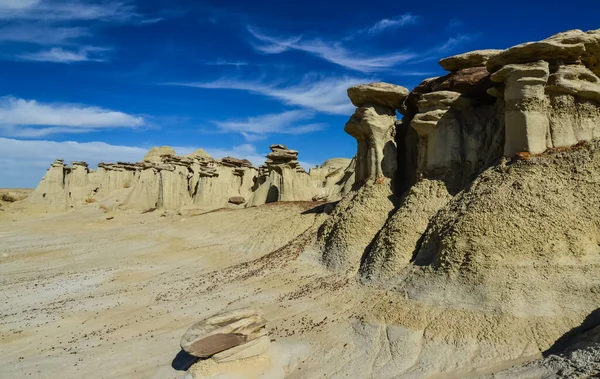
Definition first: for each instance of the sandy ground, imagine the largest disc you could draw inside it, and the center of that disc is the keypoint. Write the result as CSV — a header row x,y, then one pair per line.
x,y
87,297
83,296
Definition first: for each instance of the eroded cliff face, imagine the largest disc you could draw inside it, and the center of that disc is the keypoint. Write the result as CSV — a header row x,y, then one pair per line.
x,y
496,216
282,178
492,106
166,181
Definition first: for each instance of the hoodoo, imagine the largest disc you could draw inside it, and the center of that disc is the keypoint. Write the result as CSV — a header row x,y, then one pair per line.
x,y
164,180
344,237
282,178
461,239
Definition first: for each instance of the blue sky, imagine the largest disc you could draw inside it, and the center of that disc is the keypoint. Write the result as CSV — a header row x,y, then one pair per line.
x,y
107,80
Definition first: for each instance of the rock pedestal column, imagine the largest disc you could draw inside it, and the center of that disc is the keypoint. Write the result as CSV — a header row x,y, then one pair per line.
x,y
526,103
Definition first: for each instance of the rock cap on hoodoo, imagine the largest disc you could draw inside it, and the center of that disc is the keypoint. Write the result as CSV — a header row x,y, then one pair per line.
x,y
281,155
235,162
378,93
336,163
572,46
471,59
200,153
278,146
156,152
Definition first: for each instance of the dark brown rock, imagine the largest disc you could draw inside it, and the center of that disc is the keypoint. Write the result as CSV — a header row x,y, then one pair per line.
x,y
215,343
278,147
223,331
237,200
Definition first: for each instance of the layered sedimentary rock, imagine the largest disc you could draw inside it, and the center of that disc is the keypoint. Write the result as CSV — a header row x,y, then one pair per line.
x,y
225,340
223,332
493,104
282,178
163,180
156,154
344,237
167,181
51,192
550,90
497,217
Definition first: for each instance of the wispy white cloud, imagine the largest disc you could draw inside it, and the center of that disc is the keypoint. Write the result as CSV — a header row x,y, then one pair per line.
x,y
443,50
454,25
24,162
222,62
391,23
330,51
257,128
41,34
453,42
29,118
59,55
51,10
153,20
326,95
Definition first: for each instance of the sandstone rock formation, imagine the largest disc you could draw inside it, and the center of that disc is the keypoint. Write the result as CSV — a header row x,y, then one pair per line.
x,y
156,154
344,237
167,181
493,104
282,178
163,180
477,58
495,212
226,337
222,332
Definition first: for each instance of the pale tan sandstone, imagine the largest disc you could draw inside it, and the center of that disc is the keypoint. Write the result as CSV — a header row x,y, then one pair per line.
x,y
223,331
378,93
156,153
249,349
475,58
568,47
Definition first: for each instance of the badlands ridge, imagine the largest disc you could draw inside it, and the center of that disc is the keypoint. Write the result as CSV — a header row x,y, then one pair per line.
x,y
462,240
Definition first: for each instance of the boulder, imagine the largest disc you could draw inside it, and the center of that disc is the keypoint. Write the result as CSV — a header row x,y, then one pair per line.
x,y
471,59
223,331
379,93
246,350
237,200
283,156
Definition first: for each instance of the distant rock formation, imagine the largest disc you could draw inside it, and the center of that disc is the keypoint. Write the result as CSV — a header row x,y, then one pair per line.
x,y
156,154
164,180
282,178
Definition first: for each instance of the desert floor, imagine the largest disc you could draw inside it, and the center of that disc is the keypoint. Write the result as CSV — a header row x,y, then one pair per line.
x,y
88,297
